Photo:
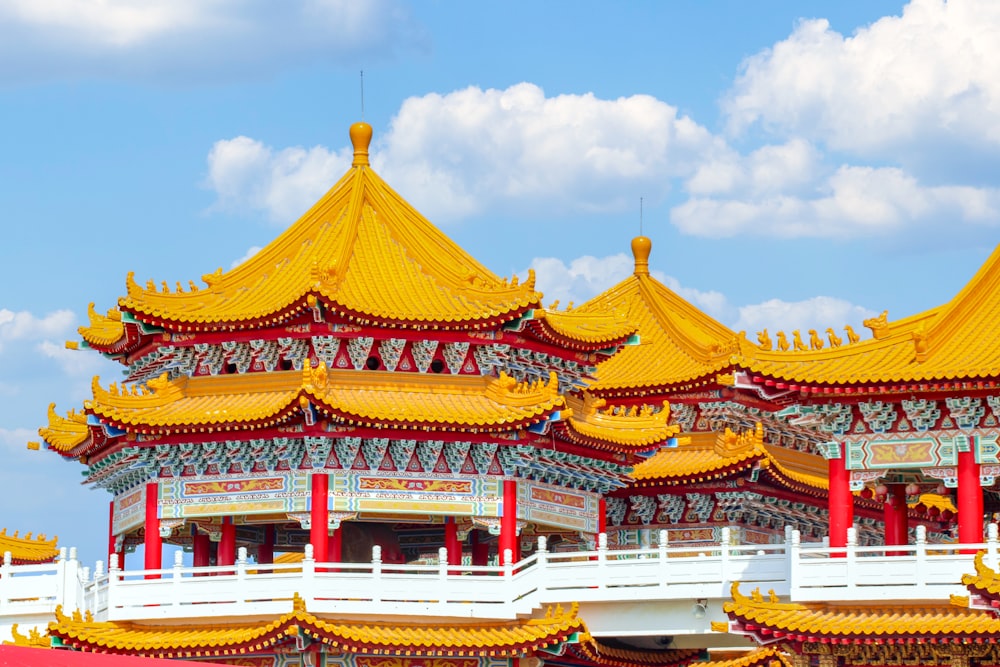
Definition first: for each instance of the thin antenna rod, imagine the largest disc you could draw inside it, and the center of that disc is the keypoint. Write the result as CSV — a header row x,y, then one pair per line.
x,y
362,96
640,216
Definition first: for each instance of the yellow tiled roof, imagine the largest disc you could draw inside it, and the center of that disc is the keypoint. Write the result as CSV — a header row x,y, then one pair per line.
x,y
103,330
591,326
65,433
28,549
212,638
362,251
800,622
942,343
361,397
986,580
714,455
592,652
637,429
761,657
678,342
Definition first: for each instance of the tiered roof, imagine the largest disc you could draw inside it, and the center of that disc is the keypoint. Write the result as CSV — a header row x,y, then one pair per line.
x,y
28,549
490,639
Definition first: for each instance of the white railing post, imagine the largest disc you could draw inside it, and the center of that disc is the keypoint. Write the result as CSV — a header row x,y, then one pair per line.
x,y
69,596
602,560
793,545
376,573
920,555
724,554
508,565
992,557
309,575
851,556
176,579
113,574
661,552
241,573
443,563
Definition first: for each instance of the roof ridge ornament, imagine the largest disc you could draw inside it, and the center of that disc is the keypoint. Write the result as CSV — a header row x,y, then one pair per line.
x,y
641,245
361,137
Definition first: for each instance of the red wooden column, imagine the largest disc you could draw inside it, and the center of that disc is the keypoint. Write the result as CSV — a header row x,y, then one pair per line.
x,y
894,515
111,536
508,522
451,542
318,516
154,543
841,500
969,499
480,549
335,545
265,550
201,547
602,516
227,543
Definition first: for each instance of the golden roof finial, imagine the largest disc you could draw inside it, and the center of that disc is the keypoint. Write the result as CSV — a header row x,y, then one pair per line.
x,y
361,137
641,246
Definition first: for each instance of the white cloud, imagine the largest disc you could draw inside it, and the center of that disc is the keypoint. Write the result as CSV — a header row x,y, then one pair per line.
x,y
247,175
852,202
187,39
819,313
474,150
23,325
251,251
926,76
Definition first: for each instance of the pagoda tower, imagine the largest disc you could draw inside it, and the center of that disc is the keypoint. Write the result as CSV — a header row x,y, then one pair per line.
x,y
359,382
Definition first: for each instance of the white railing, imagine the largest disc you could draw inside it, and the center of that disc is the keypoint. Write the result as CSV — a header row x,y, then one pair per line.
x,y
795,571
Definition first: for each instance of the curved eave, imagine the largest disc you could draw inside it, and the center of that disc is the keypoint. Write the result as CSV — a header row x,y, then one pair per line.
x,y
588,425
361,251
28,550
66,435
367,398
210,639
985,582
768,619
593,653
587,332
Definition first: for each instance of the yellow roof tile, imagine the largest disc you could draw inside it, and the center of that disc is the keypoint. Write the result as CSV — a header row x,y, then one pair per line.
x,y
632,429
214,638
472,401
103,330
703,457
63,434
678,343
362,251
592,651
801,622
28,549
942,343
584,326
986,580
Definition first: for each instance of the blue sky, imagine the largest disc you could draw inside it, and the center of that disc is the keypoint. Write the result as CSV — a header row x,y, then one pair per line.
x,y
800,164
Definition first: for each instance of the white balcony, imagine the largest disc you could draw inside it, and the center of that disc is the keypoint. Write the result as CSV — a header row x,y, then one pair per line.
x,y
659,581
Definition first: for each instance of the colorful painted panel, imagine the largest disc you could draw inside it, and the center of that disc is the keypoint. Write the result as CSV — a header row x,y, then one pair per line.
x,y
558,507
900,453
129,510
410,494
397,661
226,495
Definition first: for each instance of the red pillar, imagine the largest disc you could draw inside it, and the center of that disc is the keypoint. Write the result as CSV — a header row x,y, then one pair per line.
x,y
602,516
201,547
111,535
841,500
969,499
265,550
508,522
154,543
480,549
319,517
451,542
335,545
227,543
894,515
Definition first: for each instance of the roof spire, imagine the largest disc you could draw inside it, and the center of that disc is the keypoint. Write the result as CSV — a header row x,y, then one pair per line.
x,y
641,246
361,137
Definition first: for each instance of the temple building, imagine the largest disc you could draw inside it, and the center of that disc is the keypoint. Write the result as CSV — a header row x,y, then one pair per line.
x,y
378,453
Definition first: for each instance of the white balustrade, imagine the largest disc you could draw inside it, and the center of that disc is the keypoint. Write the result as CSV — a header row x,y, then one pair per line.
x,y
793,570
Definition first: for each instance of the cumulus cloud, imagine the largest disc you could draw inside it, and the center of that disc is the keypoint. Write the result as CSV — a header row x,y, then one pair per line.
x,y
819,313
926,76
23,325
474,150
251,251
851,202
246,175
186,39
